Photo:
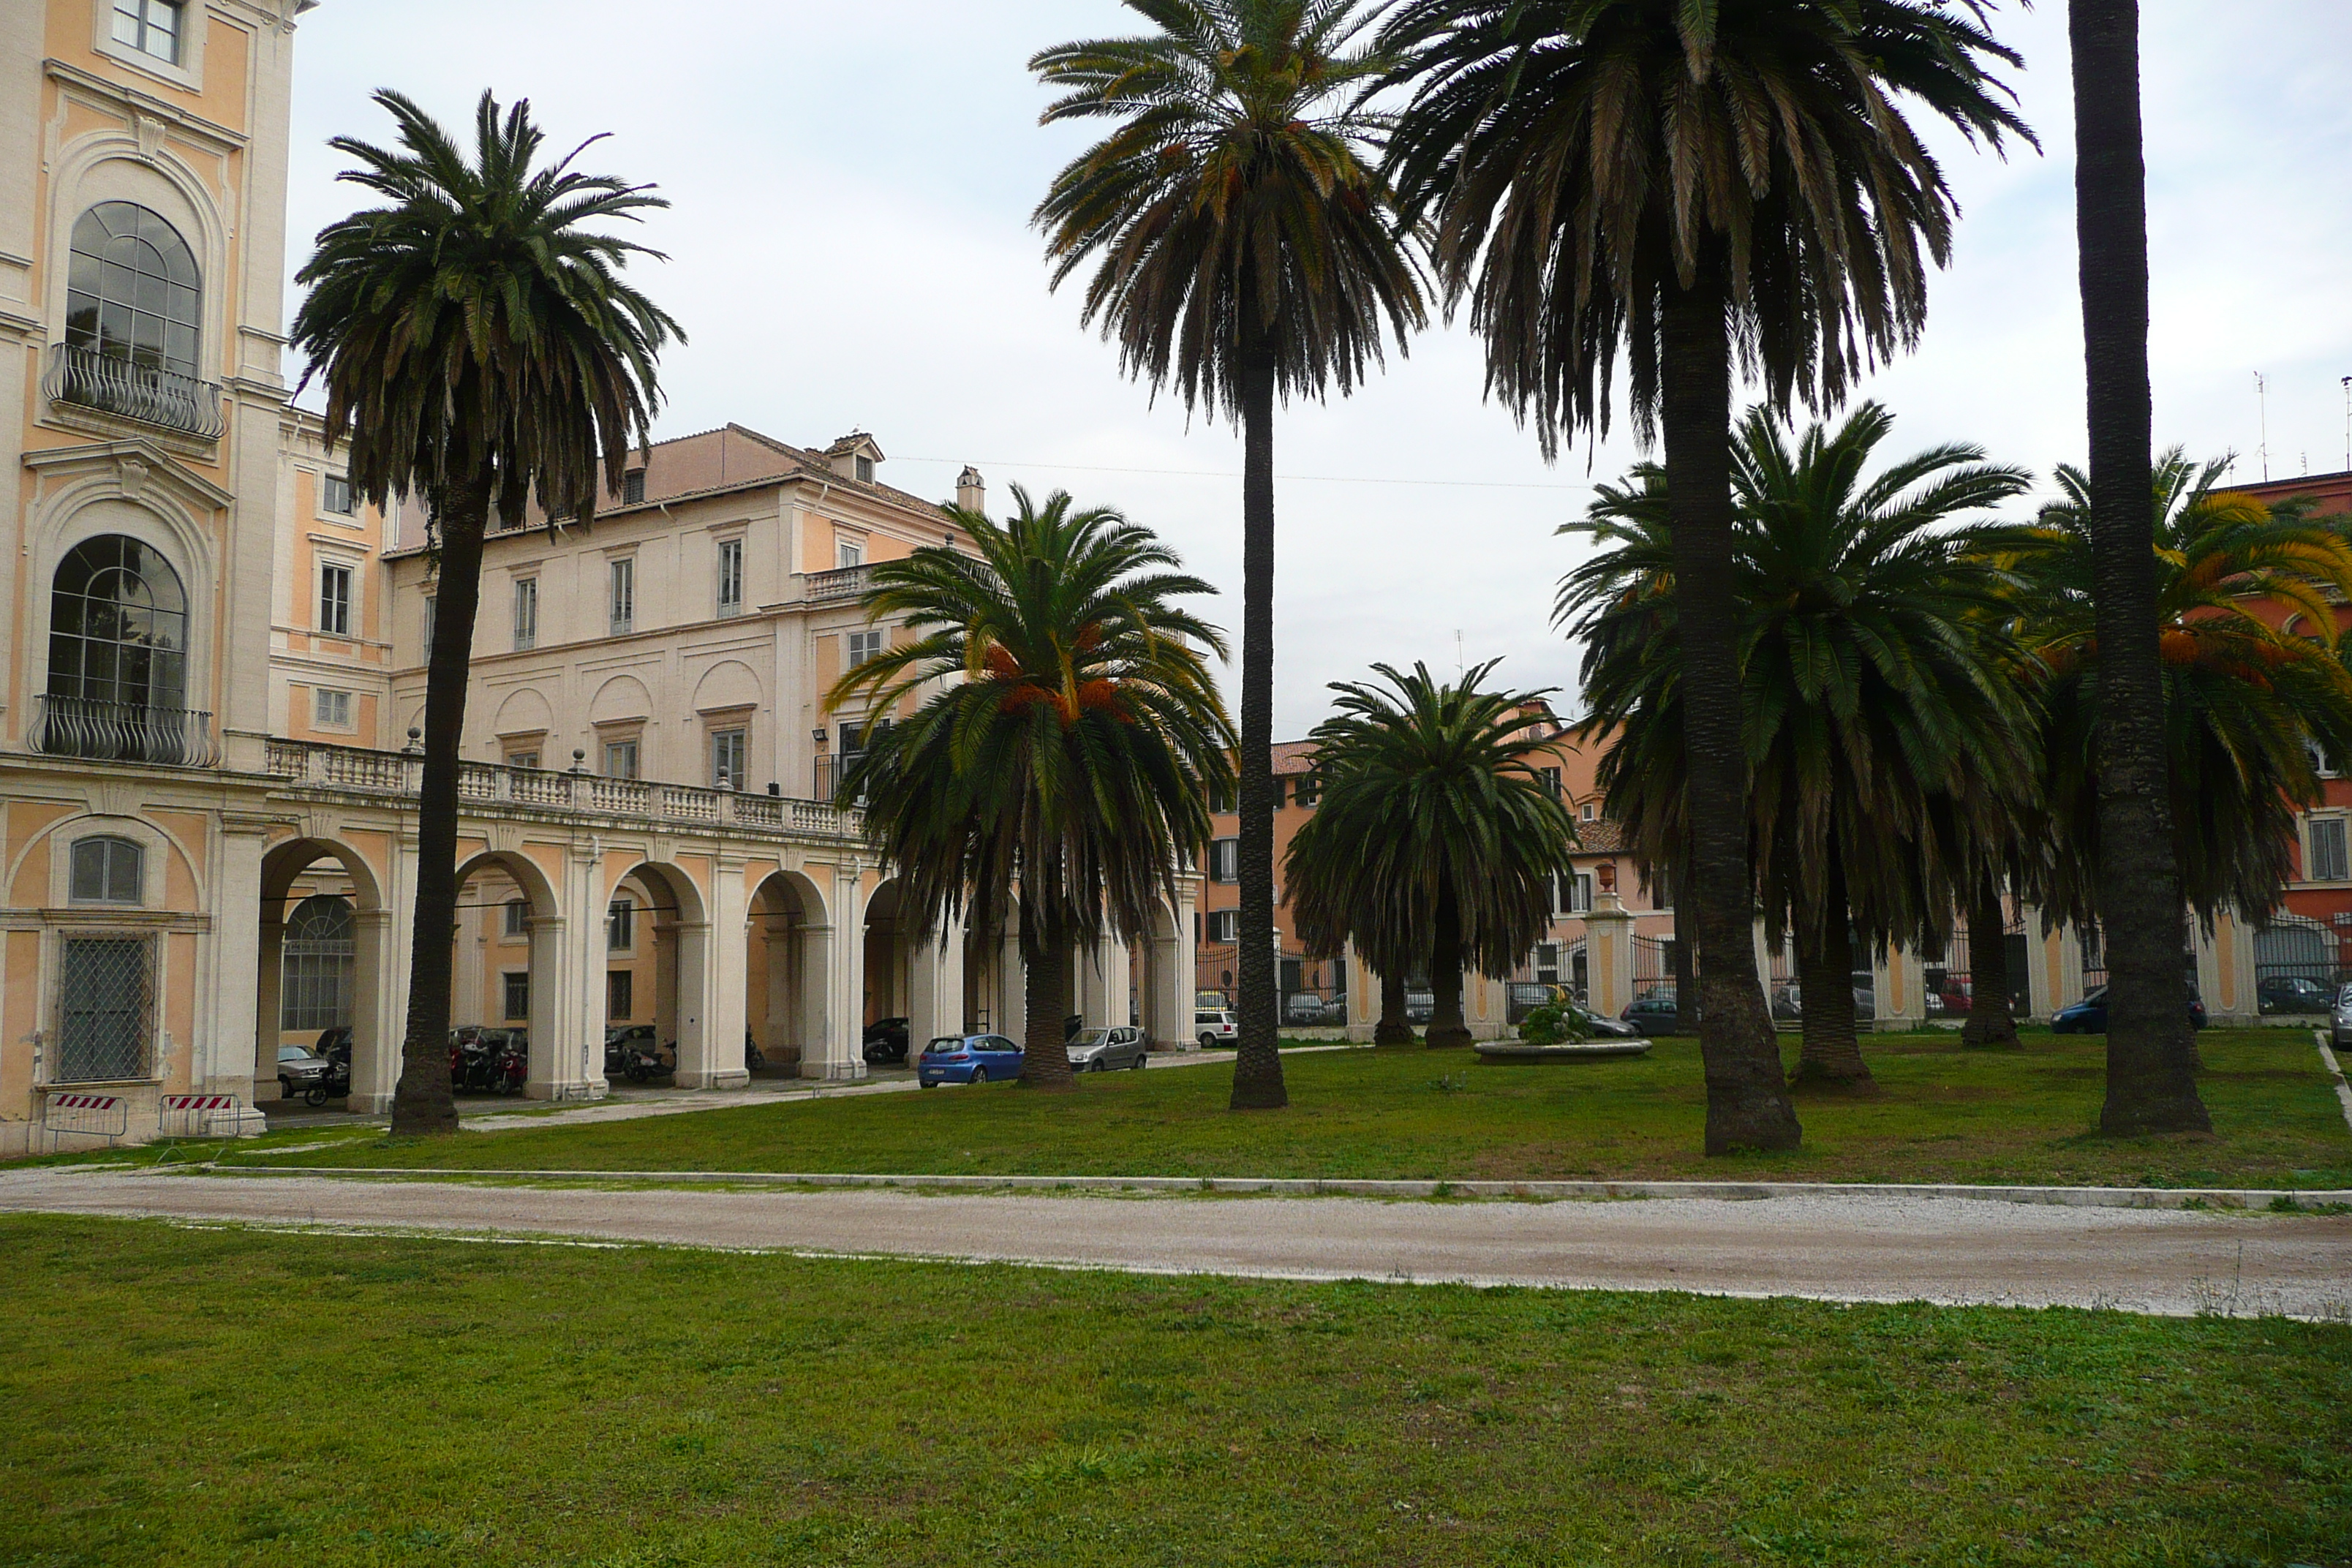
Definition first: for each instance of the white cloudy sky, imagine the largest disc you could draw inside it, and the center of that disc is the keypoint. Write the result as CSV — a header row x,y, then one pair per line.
x,y
850,247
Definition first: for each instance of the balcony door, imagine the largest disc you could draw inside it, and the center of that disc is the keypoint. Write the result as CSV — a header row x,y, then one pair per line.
x,y
118,676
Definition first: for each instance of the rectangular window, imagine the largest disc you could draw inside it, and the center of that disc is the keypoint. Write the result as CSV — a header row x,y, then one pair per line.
x,y
730,577
517,995
727,758
103,1003
430,621
621,927
1580,890
848,552
335,600
518,917
1278,782
1587,812
863,645
620,995
526,613
620,759
632,488
335,494
864,469
624,596
1547,962
522,759
330,710
1309,787
1225,860
2329,860
1224,925
1550,780
1221,799
150,26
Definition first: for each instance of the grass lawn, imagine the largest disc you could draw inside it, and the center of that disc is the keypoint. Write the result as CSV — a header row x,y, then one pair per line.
x,y
184,1398
1944,1115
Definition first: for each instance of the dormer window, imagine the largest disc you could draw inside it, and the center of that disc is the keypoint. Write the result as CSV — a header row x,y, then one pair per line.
x,y
150,26
632,488
864,469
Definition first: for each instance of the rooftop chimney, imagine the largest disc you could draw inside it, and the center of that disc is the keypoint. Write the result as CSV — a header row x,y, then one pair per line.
x,y
971,492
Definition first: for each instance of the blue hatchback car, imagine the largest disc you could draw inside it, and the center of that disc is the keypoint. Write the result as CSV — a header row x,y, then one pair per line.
x,y
968,1059
2089,1017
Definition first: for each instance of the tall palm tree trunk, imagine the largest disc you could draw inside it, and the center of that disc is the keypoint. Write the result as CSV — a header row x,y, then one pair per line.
x,y
1392,1029
1990,1025
1685,955
1747,1104
1831,1056
421,1103
1446,1028
2151,1052
1257,1063
1046,1004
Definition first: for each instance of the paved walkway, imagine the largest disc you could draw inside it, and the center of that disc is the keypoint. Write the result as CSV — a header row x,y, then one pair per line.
x,y
1830,1247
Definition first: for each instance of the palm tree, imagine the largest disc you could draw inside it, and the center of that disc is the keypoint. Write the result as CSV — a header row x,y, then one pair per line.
x,y
1334,907
2151,1052
1882,740
1244,248
1435,839
1060,767
2248,707
479,350
1676,179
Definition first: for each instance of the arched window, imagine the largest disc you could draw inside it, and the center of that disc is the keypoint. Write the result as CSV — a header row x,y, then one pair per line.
x,y
316,992
119,657
131,288
107,871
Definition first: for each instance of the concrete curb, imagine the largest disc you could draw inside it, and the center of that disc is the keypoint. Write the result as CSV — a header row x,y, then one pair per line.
x,y
1274,1186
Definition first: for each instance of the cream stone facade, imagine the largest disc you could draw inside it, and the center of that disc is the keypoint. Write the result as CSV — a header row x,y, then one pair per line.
x,y
210,666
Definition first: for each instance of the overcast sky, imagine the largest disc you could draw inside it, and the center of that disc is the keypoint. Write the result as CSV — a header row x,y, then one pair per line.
x,y
850,249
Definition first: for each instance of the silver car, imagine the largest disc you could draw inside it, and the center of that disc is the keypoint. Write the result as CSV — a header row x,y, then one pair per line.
x,y
2339,1026
1099,1050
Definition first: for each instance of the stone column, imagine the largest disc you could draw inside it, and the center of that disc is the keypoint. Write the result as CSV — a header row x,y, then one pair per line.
x,y
378,1012
2229,955
727,967
840,1042
1899,985
1608,955
935,1004
241,1056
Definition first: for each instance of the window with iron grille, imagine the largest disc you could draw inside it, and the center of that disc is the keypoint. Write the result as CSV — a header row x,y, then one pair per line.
x,y
518,997
150,26
105,1006
2329,862
633,487
315,989
621,926
620,995
335,600
730,577
107,871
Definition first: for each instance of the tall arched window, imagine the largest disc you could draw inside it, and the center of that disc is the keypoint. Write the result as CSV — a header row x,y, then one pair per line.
x,y
119,657
131,288
316,993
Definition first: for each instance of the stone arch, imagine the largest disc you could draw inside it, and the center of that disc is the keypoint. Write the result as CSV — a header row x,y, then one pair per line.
x,y
111,165
677,940
375,1007
96,507
621,697
727,684
789,934
40,872
524,712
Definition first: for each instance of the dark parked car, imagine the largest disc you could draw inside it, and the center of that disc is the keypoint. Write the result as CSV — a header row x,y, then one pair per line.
x,y
1420,1006
885,1041
967,1059
2293,994
1304,1009
1099,1050
2089,1017
1654,1014
1600,1029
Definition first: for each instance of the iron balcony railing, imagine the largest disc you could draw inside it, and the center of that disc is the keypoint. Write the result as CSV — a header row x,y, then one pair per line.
x,y
402,773
123,732
93,378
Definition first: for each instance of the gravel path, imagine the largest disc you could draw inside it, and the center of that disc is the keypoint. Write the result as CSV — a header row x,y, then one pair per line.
x,y
1830,1248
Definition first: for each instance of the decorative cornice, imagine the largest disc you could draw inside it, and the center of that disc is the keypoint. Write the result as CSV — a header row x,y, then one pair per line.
x,y
141,107
137,462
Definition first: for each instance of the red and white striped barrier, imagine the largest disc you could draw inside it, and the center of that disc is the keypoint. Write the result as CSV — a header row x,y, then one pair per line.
x,y
191,1115
86,1116
84,1101
200,1102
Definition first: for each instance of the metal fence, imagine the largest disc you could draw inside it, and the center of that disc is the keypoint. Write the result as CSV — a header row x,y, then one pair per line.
x,y
1654,966
2297,965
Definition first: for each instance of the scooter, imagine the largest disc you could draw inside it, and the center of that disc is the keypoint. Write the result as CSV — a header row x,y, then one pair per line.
x,y
643,1064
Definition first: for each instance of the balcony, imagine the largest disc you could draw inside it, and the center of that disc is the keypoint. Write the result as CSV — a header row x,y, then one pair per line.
x,y
91,378
844,583
400,774
123,732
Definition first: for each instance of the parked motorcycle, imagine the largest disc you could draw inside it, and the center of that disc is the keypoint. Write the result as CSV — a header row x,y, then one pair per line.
x,y
642,1064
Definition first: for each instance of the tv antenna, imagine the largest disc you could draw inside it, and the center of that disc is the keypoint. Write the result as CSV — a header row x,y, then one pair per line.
x,y
2262,406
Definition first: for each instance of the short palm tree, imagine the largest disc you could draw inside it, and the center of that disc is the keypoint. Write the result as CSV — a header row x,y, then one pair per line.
x,y
1673,179
1244,248
1434,838
1068,736
2249,706
2151,1053
1883,740
479,350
